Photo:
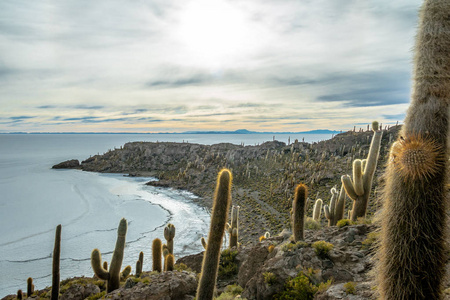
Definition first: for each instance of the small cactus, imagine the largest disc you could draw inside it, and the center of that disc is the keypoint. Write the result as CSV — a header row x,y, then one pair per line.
x,y
210,265
19,295
335,211
233,229
298,212
169,234
55,266
169,262
359,188
139,264
113,275
317,210
30,286
156,255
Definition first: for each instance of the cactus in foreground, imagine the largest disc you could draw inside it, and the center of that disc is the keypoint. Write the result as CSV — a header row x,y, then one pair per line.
x,y
113,275
139,264
169,262
156,255
317,210
233,229
359,188
55,266
169,234
412,256
298,212
210,265
335,211
19,295
30,286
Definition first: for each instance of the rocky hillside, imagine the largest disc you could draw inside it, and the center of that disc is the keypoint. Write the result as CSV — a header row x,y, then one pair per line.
x,y
264,175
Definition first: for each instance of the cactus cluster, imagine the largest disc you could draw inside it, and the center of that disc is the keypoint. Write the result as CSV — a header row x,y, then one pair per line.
x,y
139,264
114,275
359,188
335,211
233,229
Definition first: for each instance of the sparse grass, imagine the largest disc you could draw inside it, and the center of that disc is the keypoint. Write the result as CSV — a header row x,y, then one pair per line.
x,y
294,246
269,278
304,286
371,240
312,224
350,288
344,222
322,248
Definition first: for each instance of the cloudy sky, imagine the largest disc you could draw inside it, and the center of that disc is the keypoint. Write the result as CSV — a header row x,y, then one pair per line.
x,y
166,65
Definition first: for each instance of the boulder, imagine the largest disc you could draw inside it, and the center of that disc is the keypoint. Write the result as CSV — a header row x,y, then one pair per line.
x,y
68,164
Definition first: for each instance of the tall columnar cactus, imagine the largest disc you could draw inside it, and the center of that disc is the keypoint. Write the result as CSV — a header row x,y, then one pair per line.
x,y
30,286
139,264
113,275
210,265
169,234
298,211
169,262
359,188
55,266
233,229
156,255
335,211
317,210
412,255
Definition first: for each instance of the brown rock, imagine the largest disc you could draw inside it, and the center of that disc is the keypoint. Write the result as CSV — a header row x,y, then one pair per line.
x,y
68,164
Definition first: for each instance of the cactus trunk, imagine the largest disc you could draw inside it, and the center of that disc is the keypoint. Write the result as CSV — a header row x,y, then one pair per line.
x,y
210,265
412,255
298,212
156,255
55,267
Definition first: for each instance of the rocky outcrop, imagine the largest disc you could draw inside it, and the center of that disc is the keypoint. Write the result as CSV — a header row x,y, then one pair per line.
x,y
165,286
68,164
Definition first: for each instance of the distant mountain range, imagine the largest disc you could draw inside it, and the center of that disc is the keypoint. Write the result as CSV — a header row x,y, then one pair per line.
x,y
245,131
239,131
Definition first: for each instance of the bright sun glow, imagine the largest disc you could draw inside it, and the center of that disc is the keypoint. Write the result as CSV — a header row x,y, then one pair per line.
x,y
214,33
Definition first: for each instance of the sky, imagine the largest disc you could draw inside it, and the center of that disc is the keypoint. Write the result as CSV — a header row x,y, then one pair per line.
x,y
173,66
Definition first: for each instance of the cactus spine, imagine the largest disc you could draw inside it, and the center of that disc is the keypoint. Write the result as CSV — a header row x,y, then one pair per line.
x,y
55,265
222,201
233,230
139,264
169,262
169,234
317,210
363,170
156,255
30,286
298,212
412,255
335,211
113,275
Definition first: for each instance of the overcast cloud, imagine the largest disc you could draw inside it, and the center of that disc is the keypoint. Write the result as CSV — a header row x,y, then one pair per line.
x,y
157,66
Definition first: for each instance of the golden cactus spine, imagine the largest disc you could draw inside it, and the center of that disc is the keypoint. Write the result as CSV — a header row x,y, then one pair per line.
x,y
114,275
359,188
210,265
412,255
